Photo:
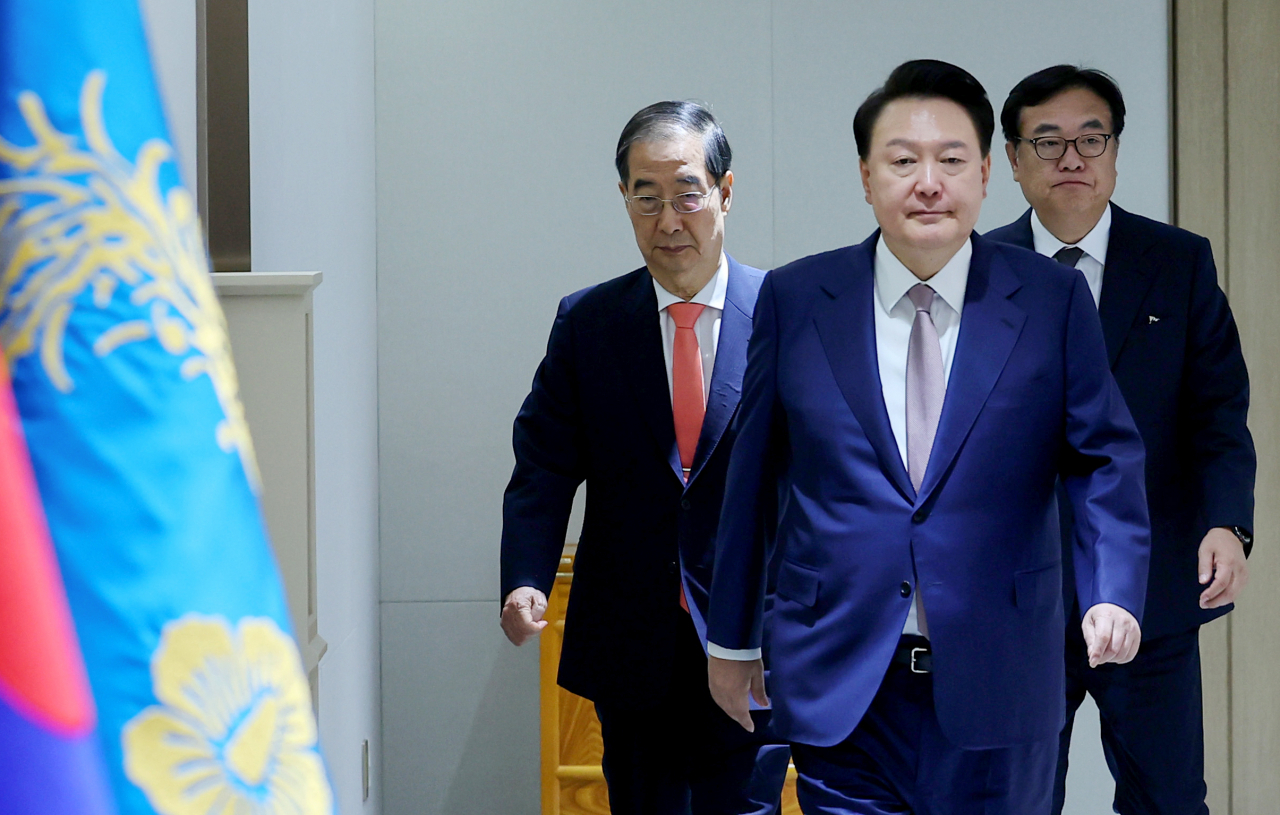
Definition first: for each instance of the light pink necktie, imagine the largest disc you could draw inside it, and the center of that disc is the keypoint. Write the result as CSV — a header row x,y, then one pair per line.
x,y
688,404
925,391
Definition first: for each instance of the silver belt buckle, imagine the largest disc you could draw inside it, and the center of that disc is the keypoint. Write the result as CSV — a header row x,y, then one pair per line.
x,y
915,654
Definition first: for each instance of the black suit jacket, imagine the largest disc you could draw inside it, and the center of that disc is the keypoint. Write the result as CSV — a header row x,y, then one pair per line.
x,y
600,413
1175,353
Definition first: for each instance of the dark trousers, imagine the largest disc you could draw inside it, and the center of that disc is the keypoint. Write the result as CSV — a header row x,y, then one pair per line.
x,y
1152,724
684,756
897,760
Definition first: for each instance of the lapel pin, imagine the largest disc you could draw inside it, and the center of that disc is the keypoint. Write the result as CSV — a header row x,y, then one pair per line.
x,y
1151,318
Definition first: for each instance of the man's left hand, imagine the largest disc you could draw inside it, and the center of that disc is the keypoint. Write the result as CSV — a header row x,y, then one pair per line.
x,y
1111,634
1222,559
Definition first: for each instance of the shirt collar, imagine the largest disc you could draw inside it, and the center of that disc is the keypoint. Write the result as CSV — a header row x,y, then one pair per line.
x,y
893,279
1094,244
712,295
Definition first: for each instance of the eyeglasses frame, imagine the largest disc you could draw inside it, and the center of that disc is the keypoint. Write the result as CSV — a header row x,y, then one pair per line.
x,y
1035,146
702,202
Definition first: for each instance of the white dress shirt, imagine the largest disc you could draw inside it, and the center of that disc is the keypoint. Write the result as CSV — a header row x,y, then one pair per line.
x,y
707,328
1094,244
894,315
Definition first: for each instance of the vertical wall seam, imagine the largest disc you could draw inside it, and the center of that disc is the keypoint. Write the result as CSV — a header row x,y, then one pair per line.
x,y
1226,151
1227,278
1175,210
773,139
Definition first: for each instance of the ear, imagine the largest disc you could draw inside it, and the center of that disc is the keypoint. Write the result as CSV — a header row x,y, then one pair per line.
x,y
865,171
726,192
622,189
1011,150
986,173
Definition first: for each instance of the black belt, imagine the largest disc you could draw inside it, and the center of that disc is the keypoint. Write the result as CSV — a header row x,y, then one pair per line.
x,y
913,653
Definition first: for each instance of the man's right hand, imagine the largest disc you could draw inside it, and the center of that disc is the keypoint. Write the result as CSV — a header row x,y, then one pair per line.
x,y
731,681
522,614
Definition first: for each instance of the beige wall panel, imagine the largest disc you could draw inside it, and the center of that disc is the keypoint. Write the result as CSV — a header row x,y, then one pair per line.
x,y
269,322
1199,65
1215,661
1253,206
1200,122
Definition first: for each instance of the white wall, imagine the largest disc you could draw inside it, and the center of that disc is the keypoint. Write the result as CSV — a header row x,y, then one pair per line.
x,y
171,33
496,196
312,164
311,92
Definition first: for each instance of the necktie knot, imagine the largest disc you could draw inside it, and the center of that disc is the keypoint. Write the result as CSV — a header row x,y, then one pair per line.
x,y
921,296
685,314
1069,255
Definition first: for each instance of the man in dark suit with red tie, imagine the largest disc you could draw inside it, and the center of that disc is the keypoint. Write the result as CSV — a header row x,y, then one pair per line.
x,y
1175,353
635,398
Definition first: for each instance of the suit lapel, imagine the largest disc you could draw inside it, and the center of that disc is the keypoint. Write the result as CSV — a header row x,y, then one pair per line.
x,y
846,325
1125,281
639,350
989,328
731,362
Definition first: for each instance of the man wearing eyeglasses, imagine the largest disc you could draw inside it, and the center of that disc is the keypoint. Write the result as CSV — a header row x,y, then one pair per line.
x,y
635,398
1175,354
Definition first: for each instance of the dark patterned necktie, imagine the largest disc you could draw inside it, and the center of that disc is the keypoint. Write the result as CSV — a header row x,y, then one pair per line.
x,y
1069,255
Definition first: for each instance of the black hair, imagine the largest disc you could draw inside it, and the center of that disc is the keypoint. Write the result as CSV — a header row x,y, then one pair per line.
x,y
663,120
1044,85
926,79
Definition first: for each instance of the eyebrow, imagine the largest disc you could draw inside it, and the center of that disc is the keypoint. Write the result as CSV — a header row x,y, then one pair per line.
x,y
1049,127
641,183
950,145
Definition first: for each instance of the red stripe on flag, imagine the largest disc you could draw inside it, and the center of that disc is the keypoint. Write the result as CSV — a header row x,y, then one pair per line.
x,y
41,673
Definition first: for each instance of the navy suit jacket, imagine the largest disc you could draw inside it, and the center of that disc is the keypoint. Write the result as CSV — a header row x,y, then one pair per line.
x,y
600,413
1183,377
1029,399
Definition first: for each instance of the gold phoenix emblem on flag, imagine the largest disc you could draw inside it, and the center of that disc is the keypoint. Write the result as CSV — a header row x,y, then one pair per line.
x,y
72,219
233,732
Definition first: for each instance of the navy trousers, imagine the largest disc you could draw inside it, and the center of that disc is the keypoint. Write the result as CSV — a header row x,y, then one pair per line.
x,y
684,756
897,760
1152,724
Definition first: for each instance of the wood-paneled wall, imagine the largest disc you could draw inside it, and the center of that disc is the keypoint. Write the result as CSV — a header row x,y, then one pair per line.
x,y
1226,80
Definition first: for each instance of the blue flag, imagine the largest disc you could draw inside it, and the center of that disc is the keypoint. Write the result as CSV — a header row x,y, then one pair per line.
x,y
49,758
124,382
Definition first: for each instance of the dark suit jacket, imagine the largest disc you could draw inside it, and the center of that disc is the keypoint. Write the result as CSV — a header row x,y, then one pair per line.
x,y
1184,379
1029,398
600,413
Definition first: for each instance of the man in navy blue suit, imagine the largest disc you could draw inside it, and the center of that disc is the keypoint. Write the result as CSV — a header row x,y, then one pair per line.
x,y
924,391
1174,350
635,398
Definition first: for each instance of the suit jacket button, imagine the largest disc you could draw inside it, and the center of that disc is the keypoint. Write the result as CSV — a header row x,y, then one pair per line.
x,y
672,568
919,516
684,503
905,589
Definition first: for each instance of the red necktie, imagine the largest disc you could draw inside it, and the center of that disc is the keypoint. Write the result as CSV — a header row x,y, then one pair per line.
x,y
687,402
688,405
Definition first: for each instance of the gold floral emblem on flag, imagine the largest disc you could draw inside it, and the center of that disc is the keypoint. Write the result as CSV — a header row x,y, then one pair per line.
x,y
233,730
75,219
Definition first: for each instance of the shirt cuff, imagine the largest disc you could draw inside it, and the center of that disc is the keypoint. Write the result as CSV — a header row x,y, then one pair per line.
x,y
742,655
